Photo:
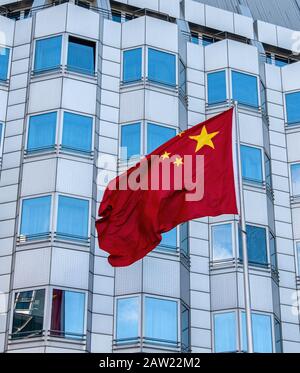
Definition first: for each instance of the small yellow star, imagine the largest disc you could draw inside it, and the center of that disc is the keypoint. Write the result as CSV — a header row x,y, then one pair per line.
x,y
204,139
178,162
166,155
181,133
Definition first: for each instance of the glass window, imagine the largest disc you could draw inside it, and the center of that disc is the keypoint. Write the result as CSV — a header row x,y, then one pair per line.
x,y
298,256
4,61
47,54
225,332
262,333
244,89
293,108
28,317
185,328
73,217
251,164
116,16
132,65
41,132
81,55
127,319
77,132
68,312
281,61
169,240
256,245
194,38
35,218
222,242
295,171
130,141
216,86
207,40
158,135
161,67
161,320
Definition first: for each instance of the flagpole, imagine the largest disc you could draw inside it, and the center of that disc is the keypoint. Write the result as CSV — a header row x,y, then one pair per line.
x,y
244,236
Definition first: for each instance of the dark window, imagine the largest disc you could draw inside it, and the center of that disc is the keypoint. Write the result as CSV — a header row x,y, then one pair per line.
x,y
81,56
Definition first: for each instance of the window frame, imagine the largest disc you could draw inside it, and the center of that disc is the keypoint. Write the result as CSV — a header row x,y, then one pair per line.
x,y
159,297
237,326
115,319
51,218
287,124
4,82
36,73
73,240
65,53
294,197
161,84
268,237
233,237
60,129
246,106
129,83
262,157
46,309
227,88
57,125
49,319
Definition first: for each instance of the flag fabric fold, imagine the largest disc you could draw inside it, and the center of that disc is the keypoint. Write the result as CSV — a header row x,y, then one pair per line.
x,y
188,177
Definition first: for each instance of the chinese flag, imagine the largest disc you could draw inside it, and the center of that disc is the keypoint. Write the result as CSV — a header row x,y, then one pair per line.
x,y
190,176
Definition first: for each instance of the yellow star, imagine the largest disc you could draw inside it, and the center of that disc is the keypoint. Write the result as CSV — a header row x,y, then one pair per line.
x,y
165,155
180,133
178,162
204,139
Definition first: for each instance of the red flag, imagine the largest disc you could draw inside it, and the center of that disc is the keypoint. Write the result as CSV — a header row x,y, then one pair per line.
x,y
190,176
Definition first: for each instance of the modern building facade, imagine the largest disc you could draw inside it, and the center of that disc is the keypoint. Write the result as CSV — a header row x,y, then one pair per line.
x,y
79,82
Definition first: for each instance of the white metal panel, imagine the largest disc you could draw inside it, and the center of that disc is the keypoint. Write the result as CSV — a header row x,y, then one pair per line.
x,y
161,34
129,279
38,177
162,108
256,207
161,277
195,56
79,96
82,22
218,19
57,15
296,223
3,105
32,268
21,51
251,129
112,33
74,178
7,31
200,319
171,7
194,12
291,77
273,77
133,33
267,33
100,342
293,149
285,38
102,323
243,26
23,31
45,95
103,304
216,55
223,291
17,97
69,268
249,62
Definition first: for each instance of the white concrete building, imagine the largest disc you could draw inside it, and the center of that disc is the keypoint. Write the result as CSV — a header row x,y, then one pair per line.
x,y
78,80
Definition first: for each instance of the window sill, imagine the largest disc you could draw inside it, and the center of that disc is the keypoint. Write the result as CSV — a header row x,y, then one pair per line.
x,y
71,239
237,263
295,201
33,239
146,343
292,128
4,83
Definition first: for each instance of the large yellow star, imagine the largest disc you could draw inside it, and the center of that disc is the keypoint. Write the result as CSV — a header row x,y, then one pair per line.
x,y
165,155
204,139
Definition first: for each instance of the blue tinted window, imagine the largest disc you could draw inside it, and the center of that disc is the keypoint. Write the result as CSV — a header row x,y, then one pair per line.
x,y
251,164
130,141
225,332
280,62
161,67
132,65
293,108
207,40
117,17
295,170
127,318
169,240
4,61
77,132
160,320
35,218
68,312
256,245
216,83
244,89
47,54
41,132
194,38
222,241
73,217
262,333
81,56
158,135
